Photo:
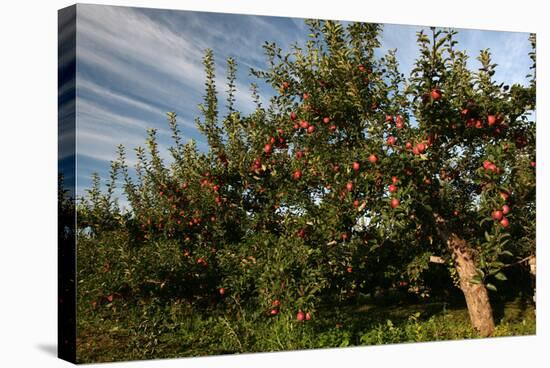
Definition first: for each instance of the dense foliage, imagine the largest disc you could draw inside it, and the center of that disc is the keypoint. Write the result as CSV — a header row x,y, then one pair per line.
x,y
348,184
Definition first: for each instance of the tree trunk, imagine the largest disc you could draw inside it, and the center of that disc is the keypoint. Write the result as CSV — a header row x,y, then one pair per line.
x,y
477,297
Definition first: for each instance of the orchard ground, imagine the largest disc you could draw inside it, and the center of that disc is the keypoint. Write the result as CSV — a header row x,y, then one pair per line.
x,y
102,339
119,331
157,324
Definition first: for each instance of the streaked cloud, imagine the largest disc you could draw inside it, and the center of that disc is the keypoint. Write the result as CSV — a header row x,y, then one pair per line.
x,y
136,64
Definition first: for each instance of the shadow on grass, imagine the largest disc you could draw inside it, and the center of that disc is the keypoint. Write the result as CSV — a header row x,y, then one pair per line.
x,y
370,314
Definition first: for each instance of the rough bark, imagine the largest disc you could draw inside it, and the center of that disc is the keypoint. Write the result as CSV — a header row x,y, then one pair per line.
x,y
476,295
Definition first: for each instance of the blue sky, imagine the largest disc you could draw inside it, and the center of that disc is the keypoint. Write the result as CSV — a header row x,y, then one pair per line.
x,y
134,65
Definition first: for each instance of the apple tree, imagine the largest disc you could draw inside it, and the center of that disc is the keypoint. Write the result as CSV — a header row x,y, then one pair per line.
x,y
353,177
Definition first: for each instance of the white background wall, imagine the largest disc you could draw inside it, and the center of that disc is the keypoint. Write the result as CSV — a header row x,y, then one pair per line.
x,y
28,174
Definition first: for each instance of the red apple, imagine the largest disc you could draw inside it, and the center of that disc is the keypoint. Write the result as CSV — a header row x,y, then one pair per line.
x,y
504,222
308,316
349,269
326,120
436,94
276,303
297,175
504,195
257,164
356,166
332,128
373,159
361,68
304,124
274,312
505,209
391,140
310,129
421,147
497,215
300,316
394,179
389,118
408,145
349,186
299,154
491,120
394,202
286,85
268,149
293,116
306,96
392,188
110,298
221,291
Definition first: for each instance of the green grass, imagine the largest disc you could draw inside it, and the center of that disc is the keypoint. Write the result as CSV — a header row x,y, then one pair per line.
x,y
119,331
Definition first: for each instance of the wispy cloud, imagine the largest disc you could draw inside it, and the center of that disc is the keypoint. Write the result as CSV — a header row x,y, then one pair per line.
x,y
125,34
86,86
135,64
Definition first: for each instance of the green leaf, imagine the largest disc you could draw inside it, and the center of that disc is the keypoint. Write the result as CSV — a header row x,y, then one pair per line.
x,y
482,263
491,287
501,277
476,280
